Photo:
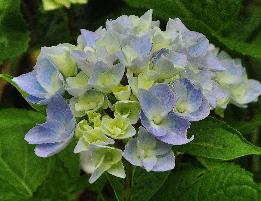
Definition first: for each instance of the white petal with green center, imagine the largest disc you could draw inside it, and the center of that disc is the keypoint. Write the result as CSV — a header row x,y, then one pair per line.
x,y
128,109
118,128
122,92
91,101
78,85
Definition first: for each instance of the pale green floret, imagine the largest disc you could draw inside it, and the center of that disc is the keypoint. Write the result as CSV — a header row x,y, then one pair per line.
x,y
106,159
122,92
89,135
54,4
62,59
144,80
161,39
72,103
222,102
91,101
81,128
128,109
118,128
76,86
95,118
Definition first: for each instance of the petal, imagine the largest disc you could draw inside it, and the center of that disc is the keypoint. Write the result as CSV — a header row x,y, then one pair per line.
x,y
28,83
117,170
86,162
142,45
89,38
131,154
145,140
48,132
81,146
48,76
155,129
176,25
104,77
149,162
59,110
78,85
246,92
166,96
202,112
151,105
165,163
46,150
200,48
36,100
96,174
171,130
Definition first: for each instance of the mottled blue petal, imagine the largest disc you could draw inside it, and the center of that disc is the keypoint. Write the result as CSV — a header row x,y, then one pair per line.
x,y
59,110
191,104
130,153
44,133
53,135
200,48
165,163
106,77
151,105
164,93
142,45
172,129
46,150
148,152
28,83
89,38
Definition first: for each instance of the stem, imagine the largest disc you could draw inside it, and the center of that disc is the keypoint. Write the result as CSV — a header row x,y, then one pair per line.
x,y
255,159
128,182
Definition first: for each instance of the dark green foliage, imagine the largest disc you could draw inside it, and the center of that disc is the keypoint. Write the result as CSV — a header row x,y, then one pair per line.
x,y
220,181
23,175
14,35
215,139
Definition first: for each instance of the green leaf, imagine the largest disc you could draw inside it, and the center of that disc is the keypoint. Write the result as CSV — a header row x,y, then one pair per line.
x,y
143,185
222,181
9,78
21,171
246,120
117,186
70,160
213,18
146,184
14,36
215,139
60,185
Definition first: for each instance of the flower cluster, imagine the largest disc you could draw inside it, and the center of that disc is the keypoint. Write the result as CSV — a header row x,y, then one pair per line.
x,y
131,90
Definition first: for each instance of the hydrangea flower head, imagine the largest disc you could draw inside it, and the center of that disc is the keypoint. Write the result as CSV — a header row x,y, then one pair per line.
x,y
129,91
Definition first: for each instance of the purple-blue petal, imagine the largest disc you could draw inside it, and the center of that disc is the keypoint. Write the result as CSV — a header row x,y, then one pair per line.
x,y
165,163
89,38
47,132
28,83
172,129
46,150
130,153
53,135
164,93
59,110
